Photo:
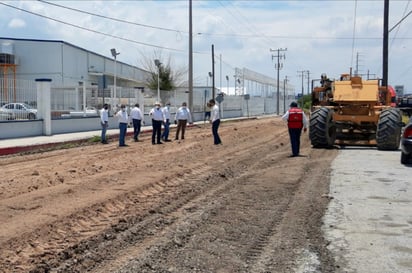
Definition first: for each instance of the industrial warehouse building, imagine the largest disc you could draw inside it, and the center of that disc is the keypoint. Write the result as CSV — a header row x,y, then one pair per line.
x,y
73,69
83,80
65,64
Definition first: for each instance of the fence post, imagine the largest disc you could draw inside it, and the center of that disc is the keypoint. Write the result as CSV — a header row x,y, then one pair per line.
x,y
44,104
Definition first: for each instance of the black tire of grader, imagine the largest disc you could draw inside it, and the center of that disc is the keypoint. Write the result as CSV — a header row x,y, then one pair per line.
x,y
322,129
388,133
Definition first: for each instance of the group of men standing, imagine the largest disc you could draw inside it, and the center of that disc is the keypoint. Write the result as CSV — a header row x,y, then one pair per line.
x,y
160,116
135,117
295,117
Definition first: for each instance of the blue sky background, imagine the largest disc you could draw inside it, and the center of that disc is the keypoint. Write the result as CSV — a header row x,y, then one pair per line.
x,y
318,35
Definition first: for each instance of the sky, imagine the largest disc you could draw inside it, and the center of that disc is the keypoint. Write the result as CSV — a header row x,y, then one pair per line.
x,y
317,36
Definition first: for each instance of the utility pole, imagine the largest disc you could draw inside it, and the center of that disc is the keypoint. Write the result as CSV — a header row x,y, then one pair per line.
x,y
285,81
308,77
220,56
213,71
278,67
302,75
385,43
190,58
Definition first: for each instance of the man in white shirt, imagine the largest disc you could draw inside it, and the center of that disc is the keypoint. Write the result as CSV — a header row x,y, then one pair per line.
x,y
157,119
181,118
137,117
166,113
123,119
215,120
104,120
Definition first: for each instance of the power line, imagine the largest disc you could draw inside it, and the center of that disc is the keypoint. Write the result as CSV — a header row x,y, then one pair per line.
x,y
185,32
403,18
296,37
94,31
111,18
245,21
400,21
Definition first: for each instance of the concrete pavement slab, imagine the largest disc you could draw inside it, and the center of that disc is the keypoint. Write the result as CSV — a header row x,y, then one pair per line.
x,y
369,219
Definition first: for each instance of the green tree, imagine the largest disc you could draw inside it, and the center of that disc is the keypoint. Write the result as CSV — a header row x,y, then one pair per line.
x,y
169,79
307,101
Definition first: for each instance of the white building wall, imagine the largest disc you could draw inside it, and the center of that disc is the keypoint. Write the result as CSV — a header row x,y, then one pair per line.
x,y
38,60
66,64
75,65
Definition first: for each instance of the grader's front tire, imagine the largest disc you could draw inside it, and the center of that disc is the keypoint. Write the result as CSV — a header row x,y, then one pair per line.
x,y
322,129
388,133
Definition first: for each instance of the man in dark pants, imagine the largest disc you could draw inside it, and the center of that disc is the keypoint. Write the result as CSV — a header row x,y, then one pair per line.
x,y
123,119
137,117
166,113
215,120
297,120
104,120
157,119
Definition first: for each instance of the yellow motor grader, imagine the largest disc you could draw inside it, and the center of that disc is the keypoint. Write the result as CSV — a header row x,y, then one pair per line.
x,y
354,111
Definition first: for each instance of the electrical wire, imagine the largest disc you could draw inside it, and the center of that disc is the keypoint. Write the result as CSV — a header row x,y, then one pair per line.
x,y
95,31
111,18
397,25
245,21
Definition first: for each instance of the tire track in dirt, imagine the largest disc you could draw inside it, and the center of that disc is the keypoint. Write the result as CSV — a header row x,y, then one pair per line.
x,y
176,238
245,245
285,248
260,244
93,220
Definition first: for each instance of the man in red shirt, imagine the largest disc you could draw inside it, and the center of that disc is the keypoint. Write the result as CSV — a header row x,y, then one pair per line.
x,y
297,120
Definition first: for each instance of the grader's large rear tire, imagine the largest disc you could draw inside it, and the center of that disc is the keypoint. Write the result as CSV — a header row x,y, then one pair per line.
x,y
322,129
388,133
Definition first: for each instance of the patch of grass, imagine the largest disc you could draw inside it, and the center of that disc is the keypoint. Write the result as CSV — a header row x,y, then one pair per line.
x,y
66,145
95,139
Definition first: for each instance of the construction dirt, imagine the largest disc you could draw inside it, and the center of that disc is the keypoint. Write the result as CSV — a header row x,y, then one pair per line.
x,y
184,206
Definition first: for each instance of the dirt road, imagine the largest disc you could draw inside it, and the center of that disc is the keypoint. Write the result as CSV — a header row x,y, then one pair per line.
x,y
185,206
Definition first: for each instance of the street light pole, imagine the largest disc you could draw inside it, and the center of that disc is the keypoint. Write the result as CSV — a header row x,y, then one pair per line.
x,y
285,81
114,54
227,90
211,78
158,64
235,84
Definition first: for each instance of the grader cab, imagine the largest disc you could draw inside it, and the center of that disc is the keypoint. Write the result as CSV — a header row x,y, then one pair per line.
x,y
353,111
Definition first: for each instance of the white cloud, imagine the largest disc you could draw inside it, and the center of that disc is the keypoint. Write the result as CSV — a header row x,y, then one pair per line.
x,y
17,23
318,34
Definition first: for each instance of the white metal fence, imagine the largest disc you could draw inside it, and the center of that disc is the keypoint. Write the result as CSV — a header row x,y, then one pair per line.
x,y
18,100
